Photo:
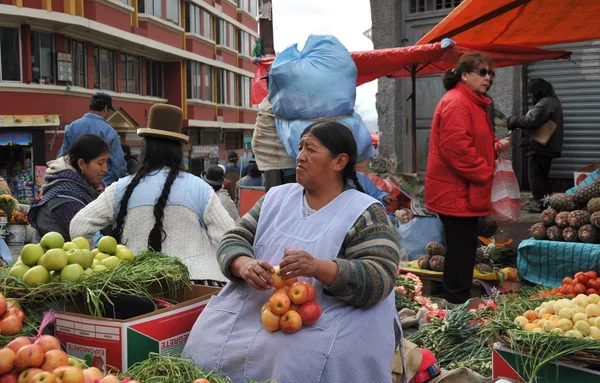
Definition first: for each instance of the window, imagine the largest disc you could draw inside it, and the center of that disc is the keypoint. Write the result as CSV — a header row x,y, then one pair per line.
x,y
173,11
104,69
250,6
234,140
245,43
225,34
10,56
232,91
130,74
417,6
126,2
208,81
154,78
42,57
245,85
231,37
222,89
207,25
77,50
192,19
150,7
199,78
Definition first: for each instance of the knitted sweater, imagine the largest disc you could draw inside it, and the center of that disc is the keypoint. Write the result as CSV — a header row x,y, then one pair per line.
x,y
228,204
192,204
367,261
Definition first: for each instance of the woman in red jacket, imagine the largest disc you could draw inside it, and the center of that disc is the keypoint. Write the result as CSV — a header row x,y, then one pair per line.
x,y
462,153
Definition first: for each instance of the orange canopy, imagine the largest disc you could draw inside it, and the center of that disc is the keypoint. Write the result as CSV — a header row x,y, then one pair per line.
x,y
523,22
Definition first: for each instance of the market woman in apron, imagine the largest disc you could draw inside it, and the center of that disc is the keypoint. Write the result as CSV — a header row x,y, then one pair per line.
x,y
323,231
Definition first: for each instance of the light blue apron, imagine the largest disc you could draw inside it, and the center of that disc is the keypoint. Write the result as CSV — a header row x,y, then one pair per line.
x,y
346,343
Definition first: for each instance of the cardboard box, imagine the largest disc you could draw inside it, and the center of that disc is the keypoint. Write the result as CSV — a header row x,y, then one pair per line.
x,y
121,343
580,174
509,364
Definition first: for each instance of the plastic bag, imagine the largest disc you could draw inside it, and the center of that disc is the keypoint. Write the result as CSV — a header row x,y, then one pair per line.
x,y
506,197
416,234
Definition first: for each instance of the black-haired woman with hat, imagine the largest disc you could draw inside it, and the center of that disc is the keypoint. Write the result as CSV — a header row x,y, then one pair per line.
x,y
162,207
215,177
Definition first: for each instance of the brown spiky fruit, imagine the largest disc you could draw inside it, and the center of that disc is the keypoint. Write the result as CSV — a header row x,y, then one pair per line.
x,y
562,202
436,263
570,234
538,231
578,218
549,216
562,219
588,234
434,248
480,254
583,194
554,233
594,205
484,268
595,218
423,262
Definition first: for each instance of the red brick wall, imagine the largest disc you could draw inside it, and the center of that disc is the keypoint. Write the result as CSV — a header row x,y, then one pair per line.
x,y
26,53
246,64
247,117
32,4
202,48
161,34
228,8
228,57
107,15
172,80
58,6
201,112
247,20
229,115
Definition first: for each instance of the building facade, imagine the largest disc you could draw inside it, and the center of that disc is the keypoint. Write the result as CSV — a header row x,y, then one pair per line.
x,y
195,54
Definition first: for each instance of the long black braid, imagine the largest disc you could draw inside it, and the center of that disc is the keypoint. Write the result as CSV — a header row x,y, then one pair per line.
x,y
157,234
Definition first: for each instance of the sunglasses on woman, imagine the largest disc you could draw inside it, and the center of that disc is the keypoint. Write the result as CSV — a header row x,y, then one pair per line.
x,y
484,72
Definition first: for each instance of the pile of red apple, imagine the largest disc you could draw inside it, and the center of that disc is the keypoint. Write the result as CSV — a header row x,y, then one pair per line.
x,y
44,361
291,306
11,318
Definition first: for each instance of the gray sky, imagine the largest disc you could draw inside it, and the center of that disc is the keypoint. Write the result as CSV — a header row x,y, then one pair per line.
x,y
294,20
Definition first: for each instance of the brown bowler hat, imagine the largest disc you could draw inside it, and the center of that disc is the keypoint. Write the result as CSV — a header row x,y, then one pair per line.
x,y
164,121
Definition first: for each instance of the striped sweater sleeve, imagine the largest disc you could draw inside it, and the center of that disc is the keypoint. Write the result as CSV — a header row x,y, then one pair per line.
x,y
238,241
368,260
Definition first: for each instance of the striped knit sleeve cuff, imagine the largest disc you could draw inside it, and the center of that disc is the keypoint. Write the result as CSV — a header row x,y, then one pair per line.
x,y
340,287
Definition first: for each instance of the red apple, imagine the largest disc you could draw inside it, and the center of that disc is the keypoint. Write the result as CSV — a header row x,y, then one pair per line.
x,y
13,311
48,342
270,320
277,280
69,375
29,356
3,304
295,307
110,379
54,359
92,374
11,377
266,306
290,322
279,303
7,360
43,377
10,325
310,312
17,343
291,281
27,375
311,290
298,293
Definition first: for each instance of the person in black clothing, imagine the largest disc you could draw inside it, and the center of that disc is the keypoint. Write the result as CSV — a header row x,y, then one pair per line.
x,y
132,162
539,157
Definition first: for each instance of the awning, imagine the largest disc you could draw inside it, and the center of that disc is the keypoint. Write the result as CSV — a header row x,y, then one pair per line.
x,y
524,22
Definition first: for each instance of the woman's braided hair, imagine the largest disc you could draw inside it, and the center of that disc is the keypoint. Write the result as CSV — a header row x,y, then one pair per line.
x,y
157,154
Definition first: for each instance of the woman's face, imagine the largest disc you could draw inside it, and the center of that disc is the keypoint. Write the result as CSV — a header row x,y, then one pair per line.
x,y
315,163
479,79
94,170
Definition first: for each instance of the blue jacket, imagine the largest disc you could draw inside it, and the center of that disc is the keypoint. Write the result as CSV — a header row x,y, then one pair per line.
x,y
92,123
370,187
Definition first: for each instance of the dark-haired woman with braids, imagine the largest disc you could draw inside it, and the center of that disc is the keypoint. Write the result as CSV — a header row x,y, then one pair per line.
x,y
162,207
332,235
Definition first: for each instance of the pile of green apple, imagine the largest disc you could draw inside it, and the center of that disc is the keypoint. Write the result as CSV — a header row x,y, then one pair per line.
x,y
53,259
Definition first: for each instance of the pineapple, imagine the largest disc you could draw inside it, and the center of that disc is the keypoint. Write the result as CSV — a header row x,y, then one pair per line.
x,y
594,205
480,255
595,218
538,231
434,248
436,263
588,234
549,216
583,194
570,234
562,219
423,262
554,233
561,202
484,268
578,218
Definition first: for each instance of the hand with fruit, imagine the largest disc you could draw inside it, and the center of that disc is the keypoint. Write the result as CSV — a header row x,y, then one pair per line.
x,y
254,271
298,263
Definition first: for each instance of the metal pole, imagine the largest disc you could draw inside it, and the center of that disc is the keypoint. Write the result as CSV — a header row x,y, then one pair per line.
x,y
265,27
413,79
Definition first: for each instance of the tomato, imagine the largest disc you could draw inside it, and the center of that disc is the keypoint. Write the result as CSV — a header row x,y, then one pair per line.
x,y
581,277
559,294
590,292
563,289
567,281
591,274
579,288
593,284
569,289
554,291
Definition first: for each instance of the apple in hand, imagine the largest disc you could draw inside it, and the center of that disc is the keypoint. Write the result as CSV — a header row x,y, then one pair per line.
x,y
47,343
43,377
29,356
279,303
69,375
310,312
291,281
27,375
7,360
278,281
17,343
54,359
270,320
298,293
290,322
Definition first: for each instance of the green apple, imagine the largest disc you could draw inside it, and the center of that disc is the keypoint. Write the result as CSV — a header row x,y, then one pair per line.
x,y
95,251
55,259
71,273
82,257
75,363
87,272
55,276
99,268
69,246
52,240
37,275
95,262
41,260
101,256
124,254
108,245
31,253
81,242
17,271
111,262
19,261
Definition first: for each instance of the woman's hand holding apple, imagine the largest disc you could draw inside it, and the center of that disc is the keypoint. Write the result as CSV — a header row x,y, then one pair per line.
x,y
254,271
298,263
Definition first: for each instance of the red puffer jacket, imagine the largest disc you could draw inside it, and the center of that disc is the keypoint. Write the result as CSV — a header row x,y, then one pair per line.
x,y
461,155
